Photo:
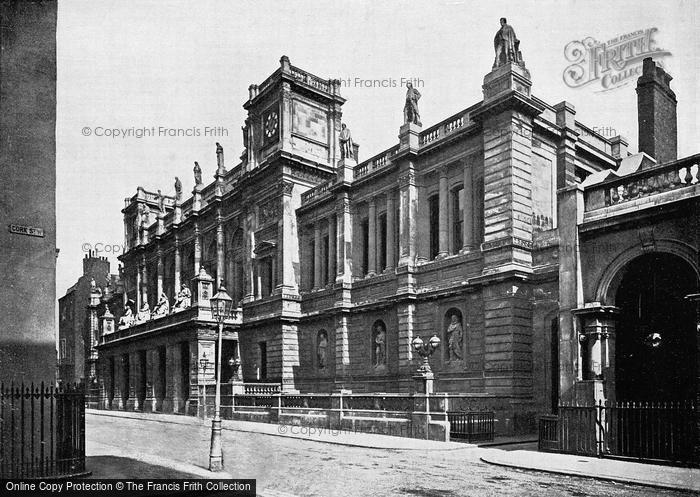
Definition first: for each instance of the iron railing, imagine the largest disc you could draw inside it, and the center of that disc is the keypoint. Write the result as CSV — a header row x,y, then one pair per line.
x,y
650,431
471,426
42,431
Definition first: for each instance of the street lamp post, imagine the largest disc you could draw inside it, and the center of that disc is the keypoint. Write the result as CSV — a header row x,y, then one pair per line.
x,y
221,305
424,376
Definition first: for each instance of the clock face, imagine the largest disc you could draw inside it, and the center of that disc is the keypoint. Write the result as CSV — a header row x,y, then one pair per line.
x,y
271,125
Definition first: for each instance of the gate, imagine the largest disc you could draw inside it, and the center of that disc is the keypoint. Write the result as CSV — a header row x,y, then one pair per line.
x,y
471,426
649,431
42,431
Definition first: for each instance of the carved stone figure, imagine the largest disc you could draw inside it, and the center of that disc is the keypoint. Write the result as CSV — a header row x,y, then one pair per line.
x,y
127,318
454,338
178,189
162,307
184,299
346,145
145,216
161,202
321,349
197,173
410,109
219,158
506,45
144,314
379,344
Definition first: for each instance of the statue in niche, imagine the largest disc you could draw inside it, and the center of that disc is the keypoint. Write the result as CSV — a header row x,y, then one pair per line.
x,y
162,307
184,298
454,338
506,45
197,174
178,189
346,144
321,349
410,109
144,314
379,342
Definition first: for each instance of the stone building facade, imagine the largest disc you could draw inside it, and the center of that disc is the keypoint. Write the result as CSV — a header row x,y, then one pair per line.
x,y
471,229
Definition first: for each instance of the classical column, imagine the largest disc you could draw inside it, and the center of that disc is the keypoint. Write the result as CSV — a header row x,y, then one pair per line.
x,y
408,198
442,225
344,239
469,211
178,266
138,288
372,238
144,281
219,251
197,249
331,248
317,254
258,279
390,242
151,371
160,272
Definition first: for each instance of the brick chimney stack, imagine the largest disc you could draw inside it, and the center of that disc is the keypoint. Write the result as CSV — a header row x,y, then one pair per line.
x,y
656,112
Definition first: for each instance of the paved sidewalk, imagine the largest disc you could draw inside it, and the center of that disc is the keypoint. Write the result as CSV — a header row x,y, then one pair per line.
x,y
654,475
318,434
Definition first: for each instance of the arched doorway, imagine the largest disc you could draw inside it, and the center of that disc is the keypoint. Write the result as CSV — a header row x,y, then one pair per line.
x,y
655,345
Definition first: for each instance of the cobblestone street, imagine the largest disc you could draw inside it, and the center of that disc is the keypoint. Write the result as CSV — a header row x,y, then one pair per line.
x,y
313,468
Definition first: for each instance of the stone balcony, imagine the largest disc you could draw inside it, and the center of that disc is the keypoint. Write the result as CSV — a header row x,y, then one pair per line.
x,y
172,320
644,188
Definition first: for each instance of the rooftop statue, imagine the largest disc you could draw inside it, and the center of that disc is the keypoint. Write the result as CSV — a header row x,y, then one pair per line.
x,y
178,188
162,307
144,314
127,318
197,173
346,145
161,202
410,109
507,46
219,158
183,300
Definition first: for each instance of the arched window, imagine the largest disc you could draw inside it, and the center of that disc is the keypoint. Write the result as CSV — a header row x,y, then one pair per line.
x,y
322,349
379,358
454,335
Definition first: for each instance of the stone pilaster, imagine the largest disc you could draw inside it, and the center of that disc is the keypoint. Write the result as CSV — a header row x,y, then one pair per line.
x,y
469,211
159,269
288,240
144,281
332,252
118,373
372,237
406,319
178,267
317,254
290,355
443,199
219,249
342,348
569,214
344,239
408,199
390,230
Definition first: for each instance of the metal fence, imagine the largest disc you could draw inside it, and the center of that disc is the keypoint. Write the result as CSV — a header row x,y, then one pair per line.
x,y
471,426
42,431
650,431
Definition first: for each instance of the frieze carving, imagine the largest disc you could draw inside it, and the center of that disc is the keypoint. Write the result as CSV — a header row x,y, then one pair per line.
x,y
286,188
269,211
507,242
407,179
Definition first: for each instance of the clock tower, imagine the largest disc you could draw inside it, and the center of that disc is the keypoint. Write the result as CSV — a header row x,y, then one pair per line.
x,y
293,114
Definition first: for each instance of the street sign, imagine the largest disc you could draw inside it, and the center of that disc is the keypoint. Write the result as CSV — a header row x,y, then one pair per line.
x,y
19,229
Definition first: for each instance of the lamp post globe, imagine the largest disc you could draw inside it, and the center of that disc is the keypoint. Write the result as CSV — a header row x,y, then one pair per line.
x,y
221,305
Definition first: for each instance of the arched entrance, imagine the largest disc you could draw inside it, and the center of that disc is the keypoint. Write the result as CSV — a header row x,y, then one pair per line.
x,y
655,346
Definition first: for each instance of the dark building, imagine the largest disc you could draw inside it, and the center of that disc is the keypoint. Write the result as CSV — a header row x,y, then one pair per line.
x,y
76,320
28,197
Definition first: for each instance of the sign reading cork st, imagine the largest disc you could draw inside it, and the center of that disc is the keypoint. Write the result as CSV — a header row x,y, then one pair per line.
x,y
19,229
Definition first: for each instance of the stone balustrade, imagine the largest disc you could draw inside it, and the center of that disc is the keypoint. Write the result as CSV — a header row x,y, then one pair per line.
x,y
316,192
309,79
444,128
376,163
673,176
